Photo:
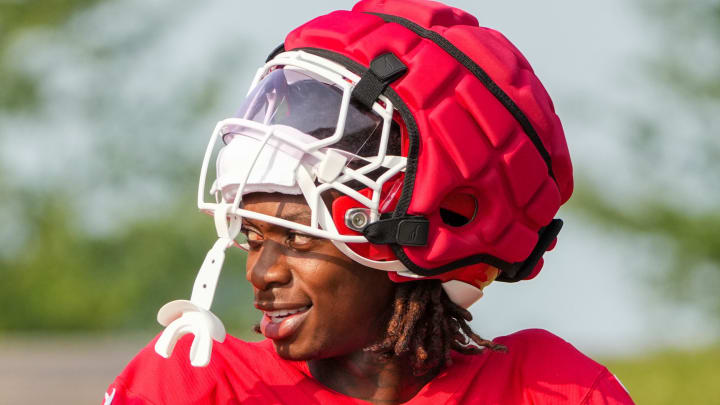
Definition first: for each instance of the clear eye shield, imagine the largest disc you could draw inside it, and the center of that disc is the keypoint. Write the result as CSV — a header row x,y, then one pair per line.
x,y
300,111
293,98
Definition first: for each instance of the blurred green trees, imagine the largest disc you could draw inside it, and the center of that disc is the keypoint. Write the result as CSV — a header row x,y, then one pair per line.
x,y
18,87
64,279
59,270
675,144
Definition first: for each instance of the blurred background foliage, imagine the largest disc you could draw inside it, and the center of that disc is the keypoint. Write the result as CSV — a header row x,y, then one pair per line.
x,y
675,167
98,235
18,87
672,376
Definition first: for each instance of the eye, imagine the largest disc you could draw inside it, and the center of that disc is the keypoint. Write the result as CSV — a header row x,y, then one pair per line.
x,y
296,239
253,237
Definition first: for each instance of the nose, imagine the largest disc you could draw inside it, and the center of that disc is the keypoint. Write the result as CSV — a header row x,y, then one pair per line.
x,y
267,267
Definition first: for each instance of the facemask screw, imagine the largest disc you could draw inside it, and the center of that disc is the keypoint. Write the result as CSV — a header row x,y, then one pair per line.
x,y
357,218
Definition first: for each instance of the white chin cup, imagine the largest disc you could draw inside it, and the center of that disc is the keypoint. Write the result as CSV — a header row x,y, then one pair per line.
x,y
181,317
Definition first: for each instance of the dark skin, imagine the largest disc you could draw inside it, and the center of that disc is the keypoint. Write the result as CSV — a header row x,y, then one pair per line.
x,y
349,304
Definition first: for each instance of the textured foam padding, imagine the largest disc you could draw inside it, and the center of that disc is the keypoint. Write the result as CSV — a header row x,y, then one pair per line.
x,y
469,138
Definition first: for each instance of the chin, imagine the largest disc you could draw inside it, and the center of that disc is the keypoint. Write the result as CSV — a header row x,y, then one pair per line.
x,y
293,350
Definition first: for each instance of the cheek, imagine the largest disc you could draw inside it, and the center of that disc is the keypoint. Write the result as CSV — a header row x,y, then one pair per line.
x,y
359,319
349,298
350,302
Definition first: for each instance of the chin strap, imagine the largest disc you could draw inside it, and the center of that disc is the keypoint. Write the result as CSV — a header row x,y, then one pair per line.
x,y
181,317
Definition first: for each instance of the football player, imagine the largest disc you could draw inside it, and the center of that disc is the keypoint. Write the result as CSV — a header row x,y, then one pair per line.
x,y
387,165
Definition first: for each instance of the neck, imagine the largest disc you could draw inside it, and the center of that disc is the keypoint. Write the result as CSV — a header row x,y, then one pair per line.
x,y
370,376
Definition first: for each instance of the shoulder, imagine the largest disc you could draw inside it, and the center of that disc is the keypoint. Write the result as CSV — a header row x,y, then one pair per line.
x,y
554,370
540,368
541,352
152,379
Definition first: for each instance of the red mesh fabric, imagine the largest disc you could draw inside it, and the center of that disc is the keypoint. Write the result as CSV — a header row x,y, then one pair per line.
x,y
468,139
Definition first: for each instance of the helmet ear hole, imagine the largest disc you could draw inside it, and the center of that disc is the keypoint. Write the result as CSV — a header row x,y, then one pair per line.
x,y
458,209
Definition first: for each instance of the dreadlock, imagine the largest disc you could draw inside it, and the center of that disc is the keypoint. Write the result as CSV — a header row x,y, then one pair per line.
x,y
427,326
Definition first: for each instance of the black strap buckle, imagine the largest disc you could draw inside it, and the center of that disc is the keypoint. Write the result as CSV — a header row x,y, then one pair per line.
x,y
405,231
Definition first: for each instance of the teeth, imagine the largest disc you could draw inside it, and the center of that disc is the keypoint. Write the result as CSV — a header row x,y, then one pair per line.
x,y
277,316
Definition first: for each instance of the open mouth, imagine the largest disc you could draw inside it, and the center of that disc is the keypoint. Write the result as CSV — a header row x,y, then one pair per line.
x,y
280,315
283,323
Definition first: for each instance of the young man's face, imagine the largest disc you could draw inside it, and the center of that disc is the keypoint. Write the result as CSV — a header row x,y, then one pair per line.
x,y
316,302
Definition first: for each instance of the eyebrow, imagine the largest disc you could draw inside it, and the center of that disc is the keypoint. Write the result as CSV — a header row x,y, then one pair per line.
x,y
292,217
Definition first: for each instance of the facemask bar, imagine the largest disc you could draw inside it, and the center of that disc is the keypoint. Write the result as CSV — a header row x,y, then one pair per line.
x,y
235,210
322,224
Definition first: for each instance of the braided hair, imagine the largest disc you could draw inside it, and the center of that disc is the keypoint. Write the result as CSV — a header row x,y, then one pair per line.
x,y
426,326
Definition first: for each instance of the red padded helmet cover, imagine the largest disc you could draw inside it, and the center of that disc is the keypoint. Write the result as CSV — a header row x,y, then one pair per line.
x,y
468,140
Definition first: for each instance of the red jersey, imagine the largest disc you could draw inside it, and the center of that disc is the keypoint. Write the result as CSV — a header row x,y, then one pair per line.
x,y
539,368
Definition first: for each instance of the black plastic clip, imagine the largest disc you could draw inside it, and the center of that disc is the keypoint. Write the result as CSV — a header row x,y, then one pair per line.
x,y
405,231
383,70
